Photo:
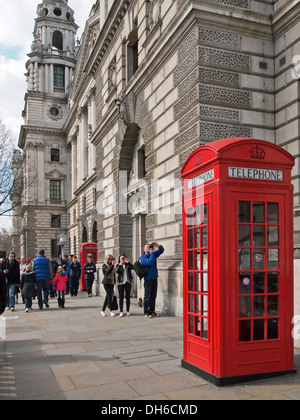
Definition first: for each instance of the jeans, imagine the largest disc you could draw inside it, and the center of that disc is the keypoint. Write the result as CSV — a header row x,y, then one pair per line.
x,y
89,285
150,296
124,288
61,295
109,288
74,286
10,294
42,286
28,303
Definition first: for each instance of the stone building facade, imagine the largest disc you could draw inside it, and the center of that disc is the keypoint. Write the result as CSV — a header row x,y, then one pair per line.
x,y
154,80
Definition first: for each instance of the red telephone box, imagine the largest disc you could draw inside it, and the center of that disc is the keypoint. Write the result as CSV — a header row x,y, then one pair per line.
x,y
86,249
238,261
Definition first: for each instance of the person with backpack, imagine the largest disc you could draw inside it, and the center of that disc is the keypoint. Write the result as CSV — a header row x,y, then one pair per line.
x,y
149,260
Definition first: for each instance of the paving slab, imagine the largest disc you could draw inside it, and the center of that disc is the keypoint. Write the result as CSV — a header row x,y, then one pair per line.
x,y
76,354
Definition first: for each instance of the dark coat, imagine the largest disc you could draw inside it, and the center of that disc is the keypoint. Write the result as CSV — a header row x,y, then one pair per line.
x,y
109,274
28,285
75,269
12,271
2,292
88,267
120,272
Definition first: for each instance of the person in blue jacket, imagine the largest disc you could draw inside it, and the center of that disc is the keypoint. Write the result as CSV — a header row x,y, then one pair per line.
x,y
148,259
43,269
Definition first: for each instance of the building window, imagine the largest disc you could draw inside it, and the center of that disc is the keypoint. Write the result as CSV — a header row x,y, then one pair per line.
x,y
57,40
56,221
59,77
132,52
55,190
55,248
55,155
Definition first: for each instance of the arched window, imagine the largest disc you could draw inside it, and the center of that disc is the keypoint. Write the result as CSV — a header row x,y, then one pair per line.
x,y
57,40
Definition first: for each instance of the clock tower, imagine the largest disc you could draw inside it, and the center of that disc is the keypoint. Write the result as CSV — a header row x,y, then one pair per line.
x,y
46,157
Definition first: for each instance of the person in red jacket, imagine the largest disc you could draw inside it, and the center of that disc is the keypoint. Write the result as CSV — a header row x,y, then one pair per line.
x,y
60,280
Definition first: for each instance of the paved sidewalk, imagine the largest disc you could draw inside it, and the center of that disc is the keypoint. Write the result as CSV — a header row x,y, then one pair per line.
x,y
75,354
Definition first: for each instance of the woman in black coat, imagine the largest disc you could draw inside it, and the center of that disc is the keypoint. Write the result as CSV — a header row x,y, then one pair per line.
x,y
28,287
124,278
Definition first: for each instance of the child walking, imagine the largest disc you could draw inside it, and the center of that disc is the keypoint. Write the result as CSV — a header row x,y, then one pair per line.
x,y
60,280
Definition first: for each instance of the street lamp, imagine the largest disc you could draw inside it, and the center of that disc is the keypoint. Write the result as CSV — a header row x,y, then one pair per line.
x,y
62,242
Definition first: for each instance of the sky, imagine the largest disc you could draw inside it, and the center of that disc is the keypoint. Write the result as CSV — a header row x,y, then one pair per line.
x,y
16,27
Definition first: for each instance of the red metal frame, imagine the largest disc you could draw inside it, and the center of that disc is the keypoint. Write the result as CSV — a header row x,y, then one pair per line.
x,y
86,249
243,311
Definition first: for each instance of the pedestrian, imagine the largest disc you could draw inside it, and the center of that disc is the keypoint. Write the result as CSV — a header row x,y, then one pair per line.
x,y
89,270
60,280
11,269
43,270
149,260
2,290
55,266
124,279
109,282
28,287
75,272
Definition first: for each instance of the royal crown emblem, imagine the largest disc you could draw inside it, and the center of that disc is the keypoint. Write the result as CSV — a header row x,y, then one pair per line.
x,y
257,153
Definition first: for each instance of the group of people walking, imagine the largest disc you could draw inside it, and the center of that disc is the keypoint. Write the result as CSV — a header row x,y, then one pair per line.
x,y
37,278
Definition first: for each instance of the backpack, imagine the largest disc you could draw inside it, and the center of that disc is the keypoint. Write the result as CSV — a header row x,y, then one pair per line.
x,y
140,270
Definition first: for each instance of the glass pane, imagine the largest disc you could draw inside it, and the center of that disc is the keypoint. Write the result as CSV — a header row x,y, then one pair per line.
x,y
204,214
259,283
244,212
197,260
258,306
191,324
273,259
190,239
205,328
245,307
245,283
190,218
258,236
244,260
191,260
191,282
197,238
245,330
191,303
273,305
273,329
204,305
204,261
273,213
204,237
244,235
197,326
204,283
258,259
197,282
258,212
273,236
258,329
197,216
198,304
272,282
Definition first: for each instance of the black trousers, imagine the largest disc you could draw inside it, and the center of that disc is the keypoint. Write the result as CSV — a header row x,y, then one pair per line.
x,y
109,288
150,296
124,289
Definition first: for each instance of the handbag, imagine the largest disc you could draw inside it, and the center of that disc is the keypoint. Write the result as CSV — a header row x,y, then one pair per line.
x,y
114,303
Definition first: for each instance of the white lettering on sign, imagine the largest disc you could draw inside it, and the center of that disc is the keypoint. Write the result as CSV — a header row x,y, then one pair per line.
x,y
201,179
255,173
